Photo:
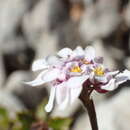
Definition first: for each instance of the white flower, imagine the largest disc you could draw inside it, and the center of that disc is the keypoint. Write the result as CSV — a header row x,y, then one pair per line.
x,y
69,70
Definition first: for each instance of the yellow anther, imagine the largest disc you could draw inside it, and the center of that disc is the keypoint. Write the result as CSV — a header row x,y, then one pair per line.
x,y
99,71
76,69
85,61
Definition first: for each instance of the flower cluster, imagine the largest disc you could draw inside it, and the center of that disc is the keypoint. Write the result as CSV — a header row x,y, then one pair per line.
x,y
70,69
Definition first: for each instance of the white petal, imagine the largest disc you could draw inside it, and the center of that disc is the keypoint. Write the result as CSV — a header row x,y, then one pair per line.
x,y
66,101
79,51
110,85
51,75
112,73
124,73
50,104
74,93
39,64
39,80
65,52
61,92
89,53
53,60
77,81
122,77
102,79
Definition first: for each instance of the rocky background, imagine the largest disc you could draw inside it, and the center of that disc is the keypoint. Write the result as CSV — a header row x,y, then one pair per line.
x,y
32,29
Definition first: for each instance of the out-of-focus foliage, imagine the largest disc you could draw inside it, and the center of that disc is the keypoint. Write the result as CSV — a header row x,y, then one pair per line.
x,y
32,120
59,123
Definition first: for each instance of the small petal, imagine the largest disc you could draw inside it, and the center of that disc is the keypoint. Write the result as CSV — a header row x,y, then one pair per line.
x,y
39,64
98,60
79,51
122,77
38,81
124,73
102,79
64,53
74,93
75,82
51,75
112,73
89,53
49,106
110,85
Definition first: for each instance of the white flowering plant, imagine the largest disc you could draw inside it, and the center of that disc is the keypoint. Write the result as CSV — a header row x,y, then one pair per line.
x,y
75,73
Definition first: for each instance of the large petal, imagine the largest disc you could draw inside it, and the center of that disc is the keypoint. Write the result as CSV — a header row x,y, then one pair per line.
x,y
65,52
39,80
61,92
109,86
50,104
39,64
89,53
74,93
66,101
51,75
53,60
75,82
122,77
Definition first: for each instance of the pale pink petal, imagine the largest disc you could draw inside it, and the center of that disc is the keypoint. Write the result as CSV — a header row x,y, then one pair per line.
x,y
39,64
74,93
61,92
66,101
65,52
51,75
50,104
79,51
89,53
39,80
53,60
109,86
77,81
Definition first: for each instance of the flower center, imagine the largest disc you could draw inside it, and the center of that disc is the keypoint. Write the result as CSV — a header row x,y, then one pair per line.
x,y
85,61
76,69
99,71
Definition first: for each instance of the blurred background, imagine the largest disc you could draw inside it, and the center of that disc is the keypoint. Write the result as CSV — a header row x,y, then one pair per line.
x,y
32,29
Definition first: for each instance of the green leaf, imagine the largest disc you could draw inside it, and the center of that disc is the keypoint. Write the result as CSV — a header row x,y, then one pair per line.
x,y
60,123
26,119
40,112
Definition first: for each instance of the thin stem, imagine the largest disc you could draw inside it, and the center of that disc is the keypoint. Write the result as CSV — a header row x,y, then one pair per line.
x,y
89,105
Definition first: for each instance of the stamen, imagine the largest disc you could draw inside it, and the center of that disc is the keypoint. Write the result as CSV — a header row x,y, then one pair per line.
x,y
99,71
76,69
85,61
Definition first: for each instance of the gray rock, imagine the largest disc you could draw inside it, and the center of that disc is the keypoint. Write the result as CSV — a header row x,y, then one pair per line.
x,y
2,71
113,114
102,50
39,17
127,15
11,13
11,103
30,96
47,45
100,20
